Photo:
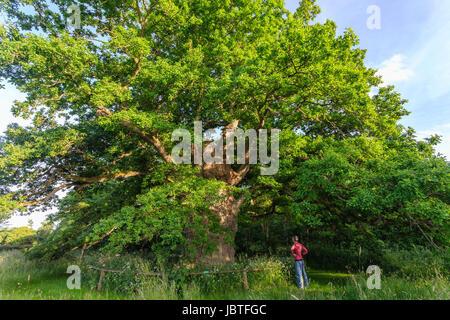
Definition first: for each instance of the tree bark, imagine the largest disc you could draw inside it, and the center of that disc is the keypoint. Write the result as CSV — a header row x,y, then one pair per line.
x,y
228,207
227,211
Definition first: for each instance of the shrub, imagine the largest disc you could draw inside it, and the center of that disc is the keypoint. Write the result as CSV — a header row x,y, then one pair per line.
x,y
418,262
177,282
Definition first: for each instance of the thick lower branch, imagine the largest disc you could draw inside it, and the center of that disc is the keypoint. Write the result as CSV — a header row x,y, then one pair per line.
x,y
120,175
105,112
48,197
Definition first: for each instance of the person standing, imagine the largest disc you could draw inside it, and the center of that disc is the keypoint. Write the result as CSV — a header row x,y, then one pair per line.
x,y
298,251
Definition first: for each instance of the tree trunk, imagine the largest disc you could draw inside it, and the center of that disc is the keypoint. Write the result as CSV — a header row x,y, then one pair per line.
x,y
227,211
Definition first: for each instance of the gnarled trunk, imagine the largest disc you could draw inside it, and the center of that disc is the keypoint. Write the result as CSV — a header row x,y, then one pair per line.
x,y
227,211
228,207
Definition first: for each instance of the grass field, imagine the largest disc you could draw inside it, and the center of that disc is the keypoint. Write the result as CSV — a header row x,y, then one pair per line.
x,y
21,278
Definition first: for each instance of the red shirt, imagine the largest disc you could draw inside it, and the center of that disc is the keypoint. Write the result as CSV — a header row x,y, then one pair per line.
x,y
298,250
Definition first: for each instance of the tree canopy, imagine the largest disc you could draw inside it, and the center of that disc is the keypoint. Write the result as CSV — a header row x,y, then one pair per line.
x,y
105,98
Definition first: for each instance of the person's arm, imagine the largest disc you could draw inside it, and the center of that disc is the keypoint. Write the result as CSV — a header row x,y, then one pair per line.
x,y
304,250
293,250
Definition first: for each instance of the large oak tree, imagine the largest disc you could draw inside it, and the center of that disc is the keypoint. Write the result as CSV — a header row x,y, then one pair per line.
x,y
105,98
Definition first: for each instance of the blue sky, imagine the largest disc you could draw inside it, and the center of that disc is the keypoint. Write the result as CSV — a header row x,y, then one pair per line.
x,y
411,50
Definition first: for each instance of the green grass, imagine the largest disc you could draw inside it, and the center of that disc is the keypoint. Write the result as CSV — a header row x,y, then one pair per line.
x,y
48,281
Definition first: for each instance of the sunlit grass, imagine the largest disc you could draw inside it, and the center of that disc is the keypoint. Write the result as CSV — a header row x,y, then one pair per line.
x,y
21,278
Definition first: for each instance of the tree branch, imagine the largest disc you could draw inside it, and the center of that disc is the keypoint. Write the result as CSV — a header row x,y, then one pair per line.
x,y
48,197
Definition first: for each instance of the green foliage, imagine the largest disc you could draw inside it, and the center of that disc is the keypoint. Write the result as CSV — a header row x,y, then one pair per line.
x,y
417,262
48,281
176,280
26,279
385,199
414,262
157,218
276,274
353,192
104,99
127,282
414,265
17,236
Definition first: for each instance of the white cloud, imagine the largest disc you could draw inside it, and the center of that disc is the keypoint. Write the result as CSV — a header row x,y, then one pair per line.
x,y
394,70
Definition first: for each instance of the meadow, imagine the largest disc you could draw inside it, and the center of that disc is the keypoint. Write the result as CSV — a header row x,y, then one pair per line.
x,y
23,278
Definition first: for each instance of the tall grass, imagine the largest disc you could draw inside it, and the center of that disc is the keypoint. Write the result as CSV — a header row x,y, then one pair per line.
x,y
48,280
22,278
